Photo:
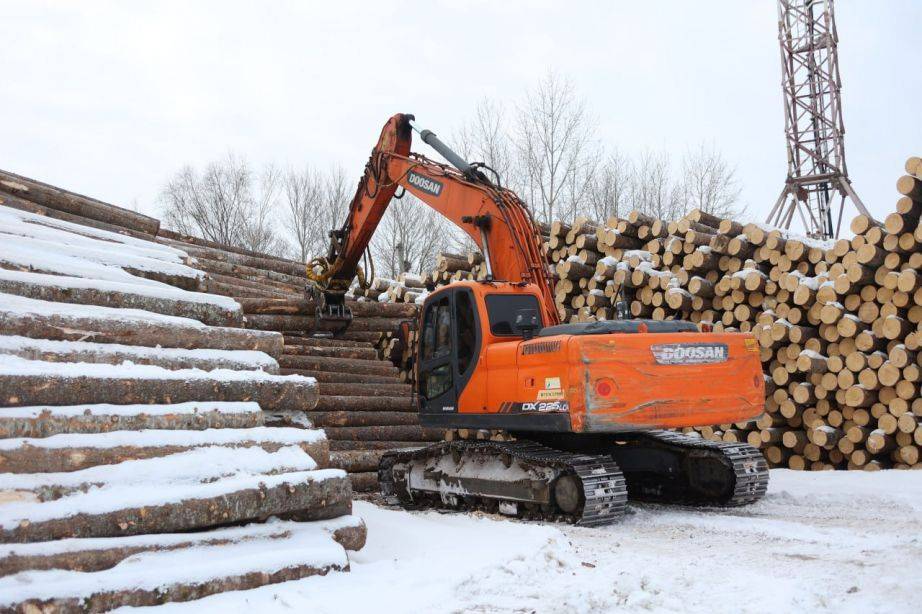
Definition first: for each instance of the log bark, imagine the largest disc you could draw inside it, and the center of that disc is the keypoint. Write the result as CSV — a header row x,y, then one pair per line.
x,y
379,433
104,328
76,204
341,378
54,389
207,313
91,555
364,482
359,353
100,419
33,457
362,418
341,365
285,323
357,461
360,309
116,354
393,389
31,207
326,342
347,403
310,500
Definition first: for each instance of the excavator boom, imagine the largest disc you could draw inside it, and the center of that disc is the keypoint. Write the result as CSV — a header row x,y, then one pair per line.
x,y
492,216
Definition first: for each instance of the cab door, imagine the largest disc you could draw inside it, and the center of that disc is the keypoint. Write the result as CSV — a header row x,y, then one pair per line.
x,y
449,349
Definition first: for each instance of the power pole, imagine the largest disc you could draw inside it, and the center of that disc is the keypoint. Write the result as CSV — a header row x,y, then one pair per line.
x,y
813,124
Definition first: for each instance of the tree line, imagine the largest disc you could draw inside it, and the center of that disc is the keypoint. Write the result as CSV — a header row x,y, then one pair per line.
x,y
544,147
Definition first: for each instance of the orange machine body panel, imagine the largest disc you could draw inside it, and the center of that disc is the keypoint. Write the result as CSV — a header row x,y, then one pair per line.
x,y
611,382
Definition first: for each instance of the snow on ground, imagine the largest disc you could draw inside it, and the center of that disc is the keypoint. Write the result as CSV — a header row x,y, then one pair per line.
x,y
824,541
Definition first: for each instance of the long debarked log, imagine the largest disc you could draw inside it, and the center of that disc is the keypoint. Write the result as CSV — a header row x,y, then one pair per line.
x,y
341,378
31,207
357,461
312,499
326,342
48,421
364,481
344,403
117,328
395,389
341,365
361,353
235,255
381,433
55,389
88,555
83,451
205,312
308,308
359,418
311,324
116,354
76,204
345,445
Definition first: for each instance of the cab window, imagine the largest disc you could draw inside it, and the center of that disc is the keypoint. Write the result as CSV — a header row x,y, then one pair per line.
x,y
503,308
437,331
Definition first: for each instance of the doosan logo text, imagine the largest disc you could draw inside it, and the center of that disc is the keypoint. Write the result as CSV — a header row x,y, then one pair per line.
x,y
689,353
430,186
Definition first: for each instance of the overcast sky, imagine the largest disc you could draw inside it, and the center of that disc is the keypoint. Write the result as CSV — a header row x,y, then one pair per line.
x,y
110,98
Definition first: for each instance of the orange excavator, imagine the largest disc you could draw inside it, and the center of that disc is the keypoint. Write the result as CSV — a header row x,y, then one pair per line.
x,y
577,413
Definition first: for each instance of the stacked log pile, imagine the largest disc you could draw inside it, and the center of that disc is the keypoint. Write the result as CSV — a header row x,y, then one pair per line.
x,y
132,409
365,406
839,322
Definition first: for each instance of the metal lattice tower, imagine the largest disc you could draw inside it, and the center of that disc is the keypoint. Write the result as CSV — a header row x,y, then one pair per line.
x,y
813,123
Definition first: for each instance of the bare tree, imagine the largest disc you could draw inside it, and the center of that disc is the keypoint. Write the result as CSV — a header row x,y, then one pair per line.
x,y
652,189
609,188
555,145
485,139
409,238
709,183
314,203
222,204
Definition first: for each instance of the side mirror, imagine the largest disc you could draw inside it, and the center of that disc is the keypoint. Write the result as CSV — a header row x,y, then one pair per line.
x,y
527,323
621,310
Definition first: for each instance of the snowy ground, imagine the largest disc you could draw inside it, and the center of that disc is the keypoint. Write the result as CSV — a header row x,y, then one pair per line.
x,y
828,541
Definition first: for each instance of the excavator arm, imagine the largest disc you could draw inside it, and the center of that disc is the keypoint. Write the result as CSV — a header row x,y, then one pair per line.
x,y
495,219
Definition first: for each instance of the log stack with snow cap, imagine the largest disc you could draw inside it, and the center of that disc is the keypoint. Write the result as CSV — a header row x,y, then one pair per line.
x,y
132,412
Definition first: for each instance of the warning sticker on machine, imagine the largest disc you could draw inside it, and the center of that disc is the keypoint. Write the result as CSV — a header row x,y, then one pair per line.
x,y
689,353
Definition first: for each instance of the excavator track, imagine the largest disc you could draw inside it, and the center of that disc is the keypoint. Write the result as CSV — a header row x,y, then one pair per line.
x,y
669,467
520,478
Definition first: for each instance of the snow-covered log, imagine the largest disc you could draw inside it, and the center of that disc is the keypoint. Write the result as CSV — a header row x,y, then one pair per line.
x,y
96,554
61,321
73,452
310,324
235,561
35,382
115,354
342,365
76,204
207,308
44,421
